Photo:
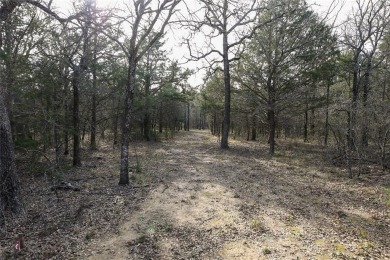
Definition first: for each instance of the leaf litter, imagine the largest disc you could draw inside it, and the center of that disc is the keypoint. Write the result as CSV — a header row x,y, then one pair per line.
x,y
191,200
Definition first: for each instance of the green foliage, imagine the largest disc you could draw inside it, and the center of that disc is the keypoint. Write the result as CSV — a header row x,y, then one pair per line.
x,y
213,92
26,143
257,225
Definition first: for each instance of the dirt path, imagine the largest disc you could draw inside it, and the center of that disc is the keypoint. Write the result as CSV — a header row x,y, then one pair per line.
x,y
238,204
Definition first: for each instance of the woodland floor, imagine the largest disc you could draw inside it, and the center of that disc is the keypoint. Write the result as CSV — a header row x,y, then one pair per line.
x,y
195,201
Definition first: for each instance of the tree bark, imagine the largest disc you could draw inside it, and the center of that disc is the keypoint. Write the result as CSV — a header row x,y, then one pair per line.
x,y
160,119
305,126
327,114
226,77
93,145
272,131
254,129
78,76
187,128
366,89
115,123
271,111
76,117
355,95
9,187
226,116
312,124
124,167
66,129
146,124
9,73
56,128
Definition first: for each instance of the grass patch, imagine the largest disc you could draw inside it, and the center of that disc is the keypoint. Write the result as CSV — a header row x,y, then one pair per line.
x,y
138,167
340,248
266,251
139,175
256,224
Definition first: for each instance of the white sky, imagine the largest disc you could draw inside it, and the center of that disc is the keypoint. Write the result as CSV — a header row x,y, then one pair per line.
x,y
173,39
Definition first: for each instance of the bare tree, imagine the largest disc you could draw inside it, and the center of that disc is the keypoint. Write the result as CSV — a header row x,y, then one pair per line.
x,y
362,35
145,18
79,71
234,22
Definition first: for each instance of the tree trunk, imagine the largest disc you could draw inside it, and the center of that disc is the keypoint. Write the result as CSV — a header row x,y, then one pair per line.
x,y
327,114
312,124
124,165
349,147
272,131
10,198
93,145
115,124
248,128
226,77
305,126
214,124
76,117
66,129
57,143
56,128
160,119
366,89
254,128
188,117
9,74
146,123
271,82
9,187
146,126
355,95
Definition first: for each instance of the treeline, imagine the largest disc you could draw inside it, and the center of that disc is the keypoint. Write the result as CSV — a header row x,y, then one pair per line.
x,y
43,63
301,78
71,83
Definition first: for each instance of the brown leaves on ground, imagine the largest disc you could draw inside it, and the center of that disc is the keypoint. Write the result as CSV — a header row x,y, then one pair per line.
x,y
204,203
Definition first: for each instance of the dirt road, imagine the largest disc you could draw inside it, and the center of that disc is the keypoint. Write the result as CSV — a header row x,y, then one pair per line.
x,y
204,203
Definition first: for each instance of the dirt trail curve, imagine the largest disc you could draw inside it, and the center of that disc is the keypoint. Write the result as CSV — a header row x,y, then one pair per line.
x,y
237,204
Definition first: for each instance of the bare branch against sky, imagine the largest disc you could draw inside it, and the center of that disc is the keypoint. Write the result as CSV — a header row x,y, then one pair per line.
x,y
334,12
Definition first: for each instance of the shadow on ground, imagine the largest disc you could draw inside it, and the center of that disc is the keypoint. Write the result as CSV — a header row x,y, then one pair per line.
x,y
241,204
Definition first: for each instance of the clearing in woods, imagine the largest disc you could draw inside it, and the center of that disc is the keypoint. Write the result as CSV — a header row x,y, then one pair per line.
x,y
195,201
239,204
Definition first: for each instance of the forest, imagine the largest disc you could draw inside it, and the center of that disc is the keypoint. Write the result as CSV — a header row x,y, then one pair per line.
x,y
194,129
